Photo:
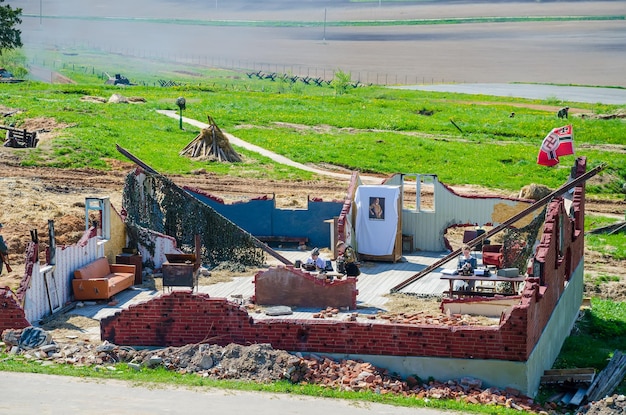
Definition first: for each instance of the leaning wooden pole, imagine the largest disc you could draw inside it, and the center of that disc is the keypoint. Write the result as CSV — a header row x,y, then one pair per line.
x,y
480,238
255,241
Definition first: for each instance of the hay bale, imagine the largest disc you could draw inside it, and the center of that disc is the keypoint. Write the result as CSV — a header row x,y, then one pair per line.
x,y
534,191
211,144
118,99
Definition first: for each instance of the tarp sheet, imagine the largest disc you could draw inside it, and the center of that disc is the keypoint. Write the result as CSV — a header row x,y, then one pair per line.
x,y
376,219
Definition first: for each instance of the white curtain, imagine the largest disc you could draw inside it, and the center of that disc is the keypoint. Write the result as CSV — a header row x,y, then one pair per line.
x,y
376,226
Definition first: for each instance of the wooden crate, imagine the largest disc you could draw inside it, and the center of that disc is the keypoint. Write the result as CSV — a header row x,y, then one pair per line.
x,y
179,275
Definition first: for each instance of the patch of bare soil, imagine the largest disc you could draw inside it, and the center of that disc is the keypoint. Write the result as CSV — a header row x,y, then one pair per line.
x,y
57,78
67,328
189,73
598,265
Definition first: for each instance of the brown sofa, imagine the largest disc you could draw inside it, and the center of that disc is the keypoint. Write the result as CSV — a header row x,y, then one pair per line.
x,y
100,280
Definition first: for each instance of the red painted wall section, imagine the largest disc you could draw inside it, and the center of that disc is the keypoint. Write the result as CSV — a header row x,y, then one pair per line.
x,y
11,313
290,286
183,317
342,220
32,256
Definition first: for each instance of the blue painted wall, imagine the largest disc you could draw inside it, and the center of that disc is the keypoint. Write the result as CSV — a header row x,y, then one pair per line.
x,y
262,218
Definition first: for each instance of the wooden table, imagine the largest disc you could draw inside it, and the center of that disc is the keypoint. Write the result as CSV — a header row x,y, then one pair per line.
x,y
451,278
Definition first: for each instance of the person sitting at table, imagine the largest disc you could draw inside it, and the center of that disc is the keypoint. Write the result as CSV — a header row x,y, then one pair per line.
x,y
315,261
347,256
466,266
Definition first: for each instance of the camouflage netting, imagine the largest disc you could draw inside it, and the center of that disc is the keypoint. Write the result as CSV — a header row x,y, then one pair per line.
x,y
155,202
519,243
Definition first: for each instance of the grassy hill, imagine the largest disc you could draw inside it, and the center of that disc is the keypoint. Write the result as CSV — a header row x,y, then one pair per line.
x,y
463,139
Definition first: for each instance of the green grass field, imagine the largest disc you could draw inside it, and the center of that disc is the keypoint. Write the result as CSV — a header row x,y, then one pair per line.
x,y
370,129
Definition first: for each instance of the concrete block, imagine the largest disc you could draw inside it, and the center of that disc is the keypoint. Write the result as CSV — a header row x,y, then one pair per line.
x,y
508,272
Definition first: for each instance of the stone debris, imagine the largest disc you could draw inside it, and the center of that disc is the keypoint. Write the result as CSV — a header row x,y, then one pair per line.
x,y
438,319
614,404
279,310
417,318
329,312
263,363
28,338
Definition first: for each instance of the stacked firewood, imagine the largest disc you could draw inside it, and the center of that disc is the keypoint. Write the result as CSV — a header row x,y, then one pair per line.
x,y
211,144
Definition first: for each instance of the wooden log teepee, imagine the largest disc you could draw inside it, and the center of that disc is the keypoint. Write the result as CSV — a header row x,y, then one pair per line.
x,y
211,144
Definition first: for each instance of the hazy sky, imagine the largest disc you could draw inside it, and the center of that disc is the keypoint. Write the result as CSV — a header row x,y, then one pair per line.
x,y
578,52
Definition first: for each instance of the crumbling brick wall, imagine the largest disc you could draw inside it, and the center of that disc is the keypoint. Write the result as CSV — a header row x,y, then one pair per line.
x,y
293,287
344,233
182,318
11,313
553,263
552,267
177,319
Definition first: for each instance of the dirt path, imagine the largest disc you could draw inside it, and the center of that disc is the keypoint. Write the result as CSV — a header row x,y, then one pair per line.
x,y
274,156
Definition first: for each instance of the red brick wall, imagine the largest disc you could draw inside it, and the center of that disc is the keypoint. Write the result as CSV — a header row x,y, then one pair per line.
x,y
11,313
542,291
32,256
293,287
182,317
342,221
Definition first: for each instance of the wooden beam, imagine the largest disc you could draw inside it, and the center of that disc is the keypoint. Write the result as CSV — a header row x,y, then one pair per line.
x,y
136,160
577,375
607,380
19,130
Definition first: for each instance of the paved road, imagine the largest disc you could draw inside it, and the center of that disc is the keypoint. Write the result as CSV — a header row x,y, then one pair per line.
x,y
28,393
563,93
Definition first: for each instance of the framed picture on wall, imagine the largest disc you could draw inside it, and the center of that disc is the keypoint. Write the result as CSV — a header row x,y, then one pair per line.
x,y
377,208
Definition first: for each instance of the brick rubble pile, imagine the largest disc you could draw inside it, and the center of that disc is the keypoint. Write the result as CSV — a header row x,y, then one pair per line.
x,y
418,318
262,363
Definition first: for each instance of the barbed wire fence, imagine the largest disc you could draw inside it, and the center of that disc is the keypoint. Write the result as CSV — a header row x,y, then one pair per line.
x,y
363,77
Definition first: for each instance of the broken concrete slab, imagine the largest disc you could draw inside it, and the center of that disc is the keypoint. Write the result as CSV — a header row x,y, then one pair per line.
x,y
281,310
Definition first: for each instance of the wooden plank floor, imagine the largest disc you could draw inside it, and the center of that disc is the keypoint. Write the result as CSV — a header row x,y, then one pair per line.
x,y
99,310
374,284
